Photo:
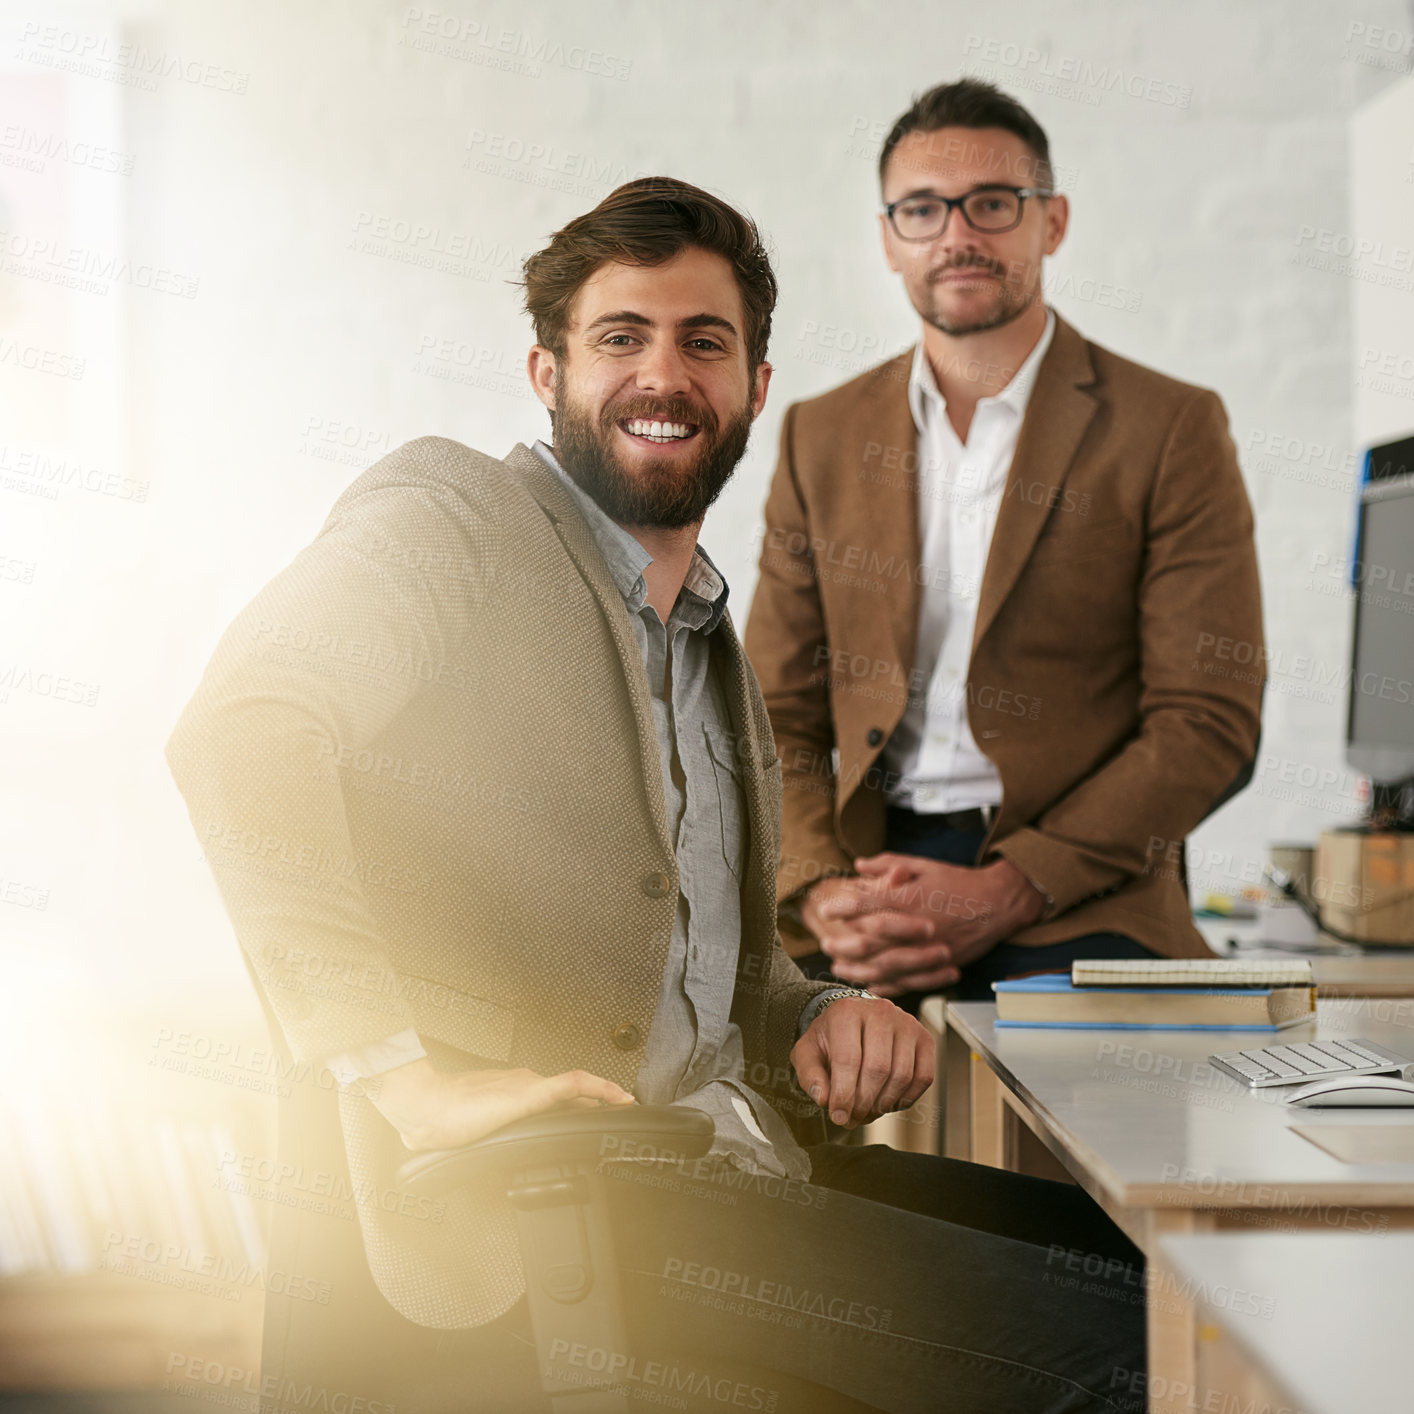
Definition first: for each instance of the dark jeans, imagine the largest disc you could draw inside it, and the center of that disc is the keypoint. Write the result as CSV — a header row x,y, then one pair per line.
x,y
898,1282
906,1282
907,833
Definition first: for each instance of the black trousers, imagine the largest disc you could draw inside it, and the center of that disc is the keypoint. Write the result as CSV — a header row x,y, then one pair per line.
x,y
909,833
893,1281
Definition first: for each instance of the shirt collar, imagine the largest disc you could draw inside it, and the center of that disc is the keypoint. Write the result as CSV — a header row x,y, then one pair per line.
x,y
704,588
924,396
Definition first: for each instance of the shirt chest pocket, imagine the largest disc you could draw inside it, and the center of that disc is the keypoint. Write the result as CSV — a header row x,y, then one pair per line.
x,y
731,801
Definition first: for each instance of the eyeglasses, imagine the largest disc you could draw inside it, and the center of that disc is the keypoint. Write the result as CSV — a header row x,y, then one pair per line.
x,y
991,210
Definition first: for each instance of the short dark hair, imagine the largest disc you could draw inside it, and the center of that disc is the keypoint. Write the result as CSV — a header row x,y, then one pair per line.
x,y
970,103
646,222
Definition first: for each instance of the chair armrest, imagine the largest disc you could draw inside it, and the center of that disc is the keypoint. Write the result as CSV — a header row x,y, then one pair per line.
x,y
564,1138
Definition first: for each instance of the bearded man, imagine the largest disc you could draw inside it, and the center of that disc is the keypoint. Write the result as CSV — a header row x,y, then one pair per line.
x,y
491,795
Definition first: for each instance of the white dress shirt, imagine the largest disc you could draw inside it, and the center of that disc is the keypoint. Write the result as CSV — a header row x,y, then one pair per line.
x,y
933,761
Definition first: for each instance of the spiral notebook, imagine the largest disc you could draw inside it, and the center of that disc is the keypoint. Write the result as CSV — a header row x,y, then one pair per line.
x,y
1191,972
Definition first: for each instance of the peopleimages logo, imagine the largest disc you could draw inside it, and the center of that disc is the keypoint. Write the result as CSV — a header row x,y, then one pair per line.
x,y
45,475
1357,257
171,1264
196,1375
87,270
1068,76
99,56
33,149
653,1381
510,50
804,1301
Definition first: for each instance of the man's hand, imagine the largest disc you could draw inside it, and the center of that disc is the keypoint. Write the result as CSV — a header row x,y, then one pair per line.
x,y
861,1059
434,1109
854,919
967,910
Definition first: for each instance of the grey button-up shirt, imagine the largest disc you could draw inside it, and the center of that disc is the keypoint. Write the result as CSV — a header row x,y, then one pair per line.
x,y
693,1054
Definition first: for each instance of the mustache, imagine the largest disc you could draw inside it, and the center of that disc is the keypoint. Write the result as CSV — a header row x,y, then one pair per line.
x,y
659,410
967,262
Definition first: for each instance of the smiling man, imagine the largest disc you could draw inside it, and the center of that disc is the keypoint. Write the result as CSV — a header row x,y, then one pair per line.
x,y
490,793
989,572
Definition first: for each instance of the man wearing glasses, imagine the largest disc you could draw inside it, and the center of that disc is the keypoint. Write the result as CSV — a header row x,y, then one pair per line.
x,y
995,575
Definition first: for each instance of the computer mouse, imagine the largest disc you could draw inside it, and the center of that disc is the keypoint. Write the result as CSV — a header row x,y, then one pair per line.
x,y
1349,1091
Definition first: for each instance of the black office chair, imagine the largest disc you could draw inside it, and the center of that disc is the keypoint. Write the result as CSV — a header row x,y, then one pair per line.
x,y
553,1168
551,1165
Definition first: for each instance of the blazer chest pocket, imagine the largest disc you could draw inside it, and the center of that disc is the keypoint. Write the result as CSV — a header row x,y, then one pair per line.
x,y
1077,538
731,802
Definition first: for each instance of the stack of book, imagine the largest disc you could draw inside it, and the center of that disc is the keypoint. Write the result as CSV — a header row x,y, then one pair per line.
x,y
1167,994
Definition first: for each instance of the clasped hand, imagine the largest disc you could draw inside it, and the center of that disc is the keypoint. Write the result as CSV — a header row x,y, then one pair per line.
x,y
903,924
907,924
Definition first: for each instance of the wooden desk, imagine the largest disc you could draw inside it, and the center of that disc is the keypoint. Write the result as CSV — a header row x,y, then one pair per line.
x,y
1168,1145
1384,975
1316,1321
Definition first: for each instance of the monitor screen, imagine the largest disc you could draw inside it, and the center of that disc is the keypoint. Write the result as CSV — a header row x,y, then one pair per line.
x,y
1382,668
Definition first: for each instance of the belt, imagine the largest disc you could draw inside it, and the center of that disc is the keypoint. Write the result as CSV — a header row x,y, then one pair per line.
x,y
976,821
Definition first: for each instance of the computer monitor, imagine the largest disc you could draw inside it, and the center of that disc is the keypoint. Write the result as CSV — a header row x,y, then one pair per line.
x,y
1380,734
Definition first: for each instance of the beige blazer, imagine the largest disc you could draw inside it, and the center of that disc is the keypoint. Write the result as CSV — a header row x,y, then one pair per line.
x,y
1103,682
424,765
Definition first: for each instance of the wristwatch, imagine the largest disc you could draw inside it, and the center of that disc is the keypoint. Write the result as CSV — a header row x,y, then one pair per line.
x,y
847,994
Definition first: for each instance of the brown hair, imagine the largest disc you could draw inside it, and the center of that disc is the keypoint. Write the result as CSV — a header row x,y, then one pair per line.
x,y
646,222
970,103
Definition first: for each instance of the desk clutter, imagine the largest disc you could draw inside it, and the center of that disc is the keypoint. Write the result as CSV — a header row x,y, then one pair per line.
x,y
1188,994
1177,1151
1369,883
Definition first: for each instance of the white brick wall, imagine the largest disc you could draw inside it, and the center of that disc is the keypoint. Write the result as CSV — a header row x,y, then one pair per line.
x,y
1197,143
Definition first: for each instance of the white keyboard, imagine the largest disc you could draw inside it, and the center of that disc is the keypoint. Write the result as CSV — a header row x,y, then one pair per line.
x,y
1308,1060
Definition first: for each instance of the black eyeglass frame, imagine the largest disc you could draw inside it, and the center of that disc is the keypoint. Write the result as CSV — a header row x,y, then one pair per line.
x,y
956,203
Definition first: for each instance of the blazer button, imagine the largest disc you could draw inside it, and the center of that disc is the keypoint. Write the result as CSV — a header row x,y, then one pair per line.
x,y
655,885
628,1037
875,736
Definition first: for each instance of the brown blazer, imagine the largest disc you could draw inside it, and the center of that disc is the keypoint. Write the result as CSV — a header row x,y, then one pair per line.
x,y
424,766
1104,682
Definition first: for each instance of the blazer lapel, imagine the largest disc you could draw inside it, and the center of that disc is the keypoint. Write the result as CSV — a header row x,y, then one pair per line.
x,y
1056,418
574,535
887,458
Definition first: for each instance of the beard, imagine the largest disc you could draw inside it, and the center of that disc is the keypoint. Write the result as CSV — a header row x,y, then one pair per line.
x,y
665,494
1009,302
